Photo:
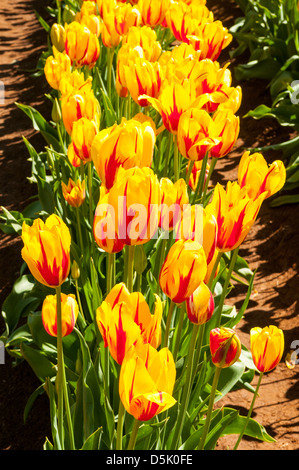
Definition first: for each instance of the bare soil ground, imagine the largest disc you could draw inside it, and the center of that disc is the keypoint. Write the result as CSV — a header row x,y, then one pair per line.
x,y
272,246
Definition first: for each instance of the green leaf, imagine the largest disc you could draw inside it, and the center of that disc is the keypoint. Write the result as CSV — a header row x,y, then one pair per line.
x,y
38,362
40,124
93,442
284,200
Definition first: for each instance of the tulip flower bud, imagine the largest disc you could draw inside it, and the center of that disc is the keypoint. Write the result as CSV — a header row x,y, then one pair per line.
x,y
146,38
259,177
200,305
56,111
69,314
56,66
174,196
225,347
183,270
81,45
75,271
83,133
57,34
47,250
227,127
74,193
267,346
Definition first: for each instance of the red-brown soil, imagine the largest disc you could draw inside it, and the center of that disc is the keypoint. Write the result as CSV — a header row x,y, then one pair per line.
x,y
272,246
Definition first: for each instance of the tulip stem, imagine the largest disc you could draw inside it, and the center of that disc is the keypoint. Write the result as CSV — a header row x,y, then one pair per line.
x,y
79,231
215,266
176,163
119,430
62,385
130,269
186,390
250,411
191,165
91,206
211,169
210,409
133,435
179,332
225,286
58,3
109,70
201,178
168,323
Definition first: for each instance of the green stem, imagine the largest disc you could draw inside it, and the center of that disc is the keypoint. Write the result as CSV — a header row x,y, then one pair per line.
x,y
191,165
91,216
212,275
62,385
58,3
110,271
176,160
210,409
186,390
201,179
250,411
109,70
79,231
225,286
133,435
211,169
60,138
120,422
198,348
168,323
179,332
168,152
130,268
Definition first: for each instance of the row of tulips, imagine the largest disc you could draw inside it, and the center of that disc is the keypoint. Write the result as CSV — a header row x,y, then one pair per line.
x,y
132,253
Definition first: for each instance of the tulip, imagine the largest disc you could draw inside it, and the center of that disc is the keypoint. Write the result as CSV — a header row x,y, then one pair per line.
x,y
183,270
124,319
259,177
69,314
81,45
235,213
128,213
174,196
143,77
72,80
153,11
267,346
146,381
211,37
200,225
183,23
126,16
57,34
83,133
126,55
74,193
195,134
227,127
79,102
47,250
146,38
225,347
174,99
200,305
128,144
56,66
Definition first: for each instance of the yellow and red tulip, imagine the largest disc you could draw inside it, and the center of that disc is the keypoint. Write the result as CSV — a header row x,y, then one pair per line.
x,y
267,346
146,381
56,66
126,16
225,347
200,305
47,250
195,134
143,77
259,177
128,144
124,319
81,45
74,193
211,37
83,133
195,174
153,11
146,38
69,314
77,103
128,214
235,213
174,196
183,270
227,128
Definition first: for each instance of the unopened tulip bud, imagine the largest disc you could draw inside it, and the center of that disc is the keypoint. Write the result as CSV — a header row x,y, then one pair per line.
x,y
57,34
56,111
225,347
75,271
267,346
200,305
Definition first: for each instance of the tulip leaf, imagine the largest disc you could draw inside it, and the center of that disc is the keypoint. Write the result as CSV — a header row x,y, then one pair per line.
x,y
40,124
93,442
38,361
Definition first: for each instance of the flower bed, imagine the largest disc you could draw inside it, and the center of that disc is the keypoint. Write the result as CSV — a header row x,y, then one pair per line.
x,y
40,350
